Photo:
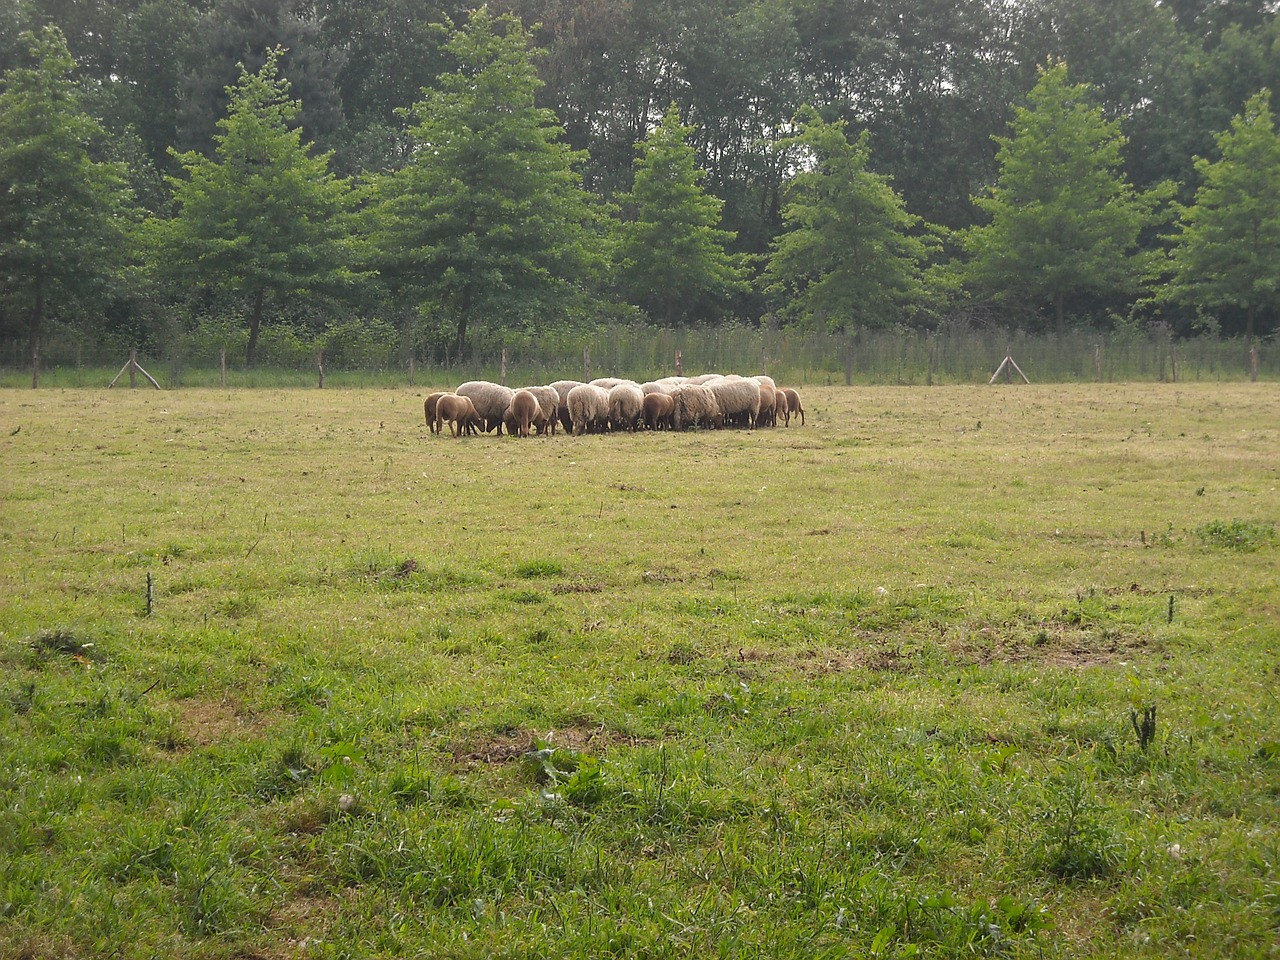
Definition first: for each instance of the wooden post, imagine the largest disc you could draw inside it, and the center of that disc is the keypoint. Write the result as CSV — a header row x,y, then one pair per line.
x,y
412,369
933,355
679,363
1008,355
764,359
1253,363
502,379
133,369
848,364
35,365
1173,360
1097,363
150,594
320,365
222,368
586,364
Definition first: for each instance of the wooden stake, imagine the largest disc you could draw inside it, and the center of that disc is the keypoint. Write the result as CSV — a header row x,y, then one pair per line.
x,y
134,369
679,363
502,379
320,366
222,368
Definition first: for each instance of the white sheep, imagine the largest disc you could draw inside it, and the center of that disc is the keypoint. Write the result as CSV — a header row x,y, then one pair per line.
x,y
626,406
588,409
739,399
491,401
695,406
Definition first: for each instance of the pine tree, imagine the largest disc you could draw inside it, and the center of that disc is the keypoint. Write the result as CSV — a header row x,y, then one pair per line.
x,y
1226,252
671,256
263,215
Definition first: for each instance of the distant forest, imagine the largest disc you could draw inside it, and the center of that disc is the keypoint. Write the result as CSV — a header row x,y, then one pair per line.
x,y
442,174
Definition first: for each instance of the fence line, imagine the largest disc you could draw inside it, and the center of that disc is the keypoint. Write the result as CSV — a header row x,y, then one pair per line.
x,y
905,357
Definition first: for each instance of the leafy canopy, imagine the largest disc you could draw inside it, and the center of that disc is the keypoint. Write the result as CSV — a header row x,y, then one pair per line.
x,y
1063,219
263,215
488,220
849,254
671,256
1226,252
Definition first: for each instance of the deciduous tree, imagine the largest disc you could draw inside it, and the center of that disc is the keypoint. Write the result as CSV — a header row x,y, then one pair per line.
x,y
1064,221
850,254
1226,252
264,216
671,256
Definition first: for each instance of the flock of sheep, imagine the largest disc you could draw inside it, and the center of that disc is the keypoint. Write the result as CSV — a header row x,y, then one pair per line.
x,y
672,403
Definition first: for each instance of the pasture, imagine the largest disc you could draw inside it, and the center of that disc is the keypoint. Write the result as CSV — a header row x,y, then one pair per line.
x,y
949,671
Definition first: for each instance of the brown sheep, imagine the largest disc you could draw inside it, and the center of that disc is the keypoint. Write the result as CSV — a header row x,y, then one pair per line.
x,y
429,406
460,412
793,405
523,411
659,411
768,400
781,410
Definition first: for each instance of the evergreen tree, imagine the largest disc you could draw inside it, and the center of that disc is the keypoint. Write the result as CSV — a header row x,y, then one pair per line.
x,y
671,258
1063,220
850,254
1226,253
64,216
263,216
488,222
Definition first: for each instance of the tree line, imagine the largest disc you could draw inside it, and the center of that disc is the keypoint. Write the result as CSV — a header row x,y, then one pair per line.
x,y
444,175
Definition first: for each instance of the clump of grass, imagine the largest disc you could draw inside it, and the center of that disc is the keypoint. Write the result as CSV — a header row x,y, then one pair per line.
x,y
1242,535
533,569
60,641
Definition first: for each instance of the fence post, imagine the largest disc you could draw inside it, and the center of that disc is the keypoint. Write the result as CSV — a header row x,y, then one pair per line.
x,y
502,375
133,368
933,352
586,364
1097,363
1173,360
1253,363
412,368
680,363
222,368
848,364
35,364
320,365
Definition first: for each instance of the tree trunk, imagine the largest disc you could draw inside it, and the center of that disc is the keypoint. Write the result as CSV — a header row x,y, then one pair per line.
x,y
461,340
33,331
255,324
1248,323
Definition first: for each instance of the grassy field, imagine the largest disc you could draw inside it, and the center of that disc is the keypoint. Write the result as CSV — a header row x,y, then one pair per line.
x,y
946,672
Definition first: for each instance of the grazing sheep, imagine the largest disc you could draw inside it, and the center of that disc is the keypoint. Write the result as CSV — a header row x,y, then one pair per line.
x,y
588,409
763,378
705,378
695,405
607,383
793,405
429,407
654,386
548,409
562,387
491,401
459,411
781,410
738,399
520,415
626,406
768,400
659,411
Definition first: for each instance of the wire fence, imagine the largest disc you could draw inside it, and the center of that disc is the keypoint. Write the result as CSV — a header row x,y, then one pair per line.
x,y
641,352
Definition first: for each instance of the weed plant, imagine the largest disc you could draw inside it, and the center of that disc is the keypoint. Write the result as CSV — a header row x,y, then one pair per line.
x,y
946,672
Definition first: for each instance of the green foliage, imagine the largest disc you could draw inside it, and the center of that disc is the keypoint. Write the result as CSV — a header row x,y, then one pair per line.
x,y
670,254
65,214
264,216
487,224
849,256
1063,221
1226,253
1242,535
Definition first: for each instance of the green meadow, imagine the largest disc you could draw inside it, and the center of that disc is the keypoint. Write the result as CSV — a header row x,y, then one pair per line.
x,y
945,672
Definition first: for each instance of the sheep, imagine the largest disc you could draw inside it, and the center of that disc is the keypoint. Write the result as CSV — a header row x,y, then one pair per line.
x,y
562,387
781,411
738,399
607,383
654,386
429,407
695,404
763,378
704,378
768,401
491,401
588,409
459,411
659,411
548,408
626,406
521,414
793,405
